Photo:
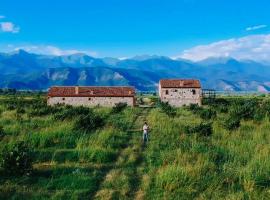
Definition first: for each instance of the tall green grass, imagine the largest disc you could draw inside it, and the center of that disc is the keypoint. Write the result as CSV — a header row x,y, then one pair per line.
x,y
180,160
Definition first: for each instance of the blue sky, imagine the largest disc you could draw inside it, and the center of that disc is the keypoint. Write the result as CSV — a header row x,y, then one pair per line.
x,y
123,28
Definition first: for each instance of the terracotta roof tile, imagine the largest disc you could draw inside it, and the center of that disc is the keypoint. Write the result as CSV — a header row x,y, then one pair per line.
x,y
91,91
180,83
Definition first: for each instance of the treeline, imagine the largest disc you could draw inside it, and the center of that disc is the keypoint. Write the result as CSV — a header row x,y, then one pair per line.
x,y
13,91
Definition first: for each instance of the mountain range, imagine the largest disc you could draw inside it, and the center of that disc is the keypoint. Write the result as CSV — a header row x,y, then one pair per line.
x,y
28,71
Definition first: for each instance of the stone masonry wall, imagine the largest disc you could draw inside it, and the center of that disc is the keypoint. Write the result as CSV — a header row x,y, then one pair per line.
x,y
90,101
180,96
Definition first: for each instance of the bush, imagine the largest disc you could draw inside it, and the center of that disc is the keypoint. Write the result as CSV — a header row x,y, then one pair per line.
x,y
2,132
203,129
69,112
20,111
259,115
262,111
219,104
118,122
244,109
119,107
231,123
195,108
204,113
88,123
207,114
168,109
45,110
17,160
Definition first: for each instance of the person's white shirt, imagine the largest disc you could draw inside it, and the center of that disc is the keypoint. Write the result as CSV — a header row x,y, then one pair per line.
x,y
145,128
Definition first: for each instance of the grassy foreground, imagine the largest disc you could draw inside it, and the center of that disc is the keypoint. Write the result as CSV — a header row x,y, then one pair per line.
x,y
193,153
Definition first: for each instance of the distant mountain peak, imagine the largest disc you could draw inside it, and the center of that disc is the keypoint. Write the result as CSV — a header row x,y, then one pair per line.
x,y
148,57
19,52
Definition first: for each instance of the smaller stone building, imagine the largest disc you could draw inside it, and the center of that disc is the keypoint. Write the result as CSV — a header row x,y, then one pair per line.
x,y
91,96
179,92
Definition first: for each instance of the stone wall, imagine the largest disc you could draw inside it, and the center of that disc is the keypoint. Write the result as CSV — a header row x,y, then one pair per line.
x,y
180,96
90,101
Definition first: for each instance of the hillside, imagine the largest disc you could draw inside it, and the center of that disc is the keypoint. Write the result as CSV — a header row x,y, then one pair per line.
x,y
22,70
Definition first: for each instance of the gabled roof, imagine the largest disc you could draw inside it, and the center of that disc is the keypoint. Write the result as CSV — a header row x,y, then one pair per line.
x,y
180,83
91,91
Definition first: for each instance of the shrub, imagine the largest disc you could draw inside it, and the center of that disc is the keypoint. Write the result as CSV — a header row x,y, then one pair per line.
x,y
168,109
88,123
207,114
262,111
45,110
220,104
69,112
259,114
194,108
2,132
231,123
119,107
244,109
17,160
20,110
118,122
203,129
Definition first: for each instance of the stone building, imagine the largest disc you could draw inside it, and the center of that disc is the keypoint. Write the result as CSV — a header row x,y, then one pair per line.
x,y
91,96
179,92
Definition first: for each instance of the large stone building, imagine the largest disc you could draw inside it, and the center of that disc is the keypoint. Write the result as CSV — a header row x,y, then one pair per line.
x,y
91,96
180,92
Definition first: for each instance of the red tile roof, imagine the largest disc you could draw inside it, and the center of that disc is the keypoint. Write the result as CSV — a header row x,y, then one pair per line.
x,y
91,91
180,83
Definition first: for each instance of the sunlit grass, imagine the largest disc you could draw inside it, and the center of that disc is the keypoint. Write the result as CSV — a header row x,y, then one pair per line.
x,y
110,162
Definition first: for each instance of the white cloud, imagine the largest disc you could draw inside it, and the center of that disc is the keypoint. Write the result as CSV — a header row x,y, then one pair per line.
x,y
252,28
9,27
50,50
123,58
2,17
253,47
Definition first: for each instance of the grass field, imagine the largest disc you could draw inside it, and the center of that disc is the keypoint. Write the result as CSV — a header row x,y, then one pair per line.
x,y
220,151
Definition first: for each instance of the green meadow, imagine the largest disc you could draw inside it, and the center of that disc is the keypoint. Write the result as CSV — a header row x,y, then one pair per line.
x,y
218,151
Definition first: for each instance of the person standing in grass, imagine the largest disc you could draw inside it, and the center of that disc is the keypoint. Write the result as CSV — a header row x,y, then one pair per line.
x,y
145,132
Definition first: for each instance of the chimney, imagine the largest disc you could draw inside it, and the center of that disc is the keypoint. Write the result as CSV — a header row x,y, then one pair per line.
x,y
76,90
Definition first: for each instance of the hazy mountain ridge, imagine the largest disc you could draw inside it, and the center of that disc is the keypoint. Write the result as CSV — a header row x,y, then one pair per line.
x,y
23,70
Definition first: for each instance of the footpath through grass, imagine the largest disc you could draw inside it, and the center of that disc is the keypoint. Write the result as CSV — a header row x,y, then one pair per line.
x,y
124,180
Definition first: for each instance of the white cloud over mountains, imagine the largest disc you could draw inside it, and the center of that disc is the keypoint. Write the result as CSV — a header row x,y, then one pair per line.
x,y
50,50
9,27
253,47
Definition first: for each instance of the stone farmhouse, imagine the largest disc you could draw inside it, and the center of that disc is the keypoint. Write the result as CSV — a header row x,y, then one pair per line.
x,y
91,96
180,92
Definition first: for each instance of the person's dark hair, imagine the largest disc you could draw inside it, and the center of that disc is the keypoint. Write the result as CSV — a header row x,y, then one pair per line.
x,y
145,122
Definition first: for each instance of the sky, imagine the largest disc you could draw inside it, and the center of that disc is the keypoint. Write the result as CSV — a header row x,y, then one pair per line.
x,y
190,29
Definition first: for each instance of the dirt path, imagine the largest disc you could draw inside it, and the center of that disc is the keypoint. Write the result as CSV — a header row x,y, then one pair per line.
x,y
124,179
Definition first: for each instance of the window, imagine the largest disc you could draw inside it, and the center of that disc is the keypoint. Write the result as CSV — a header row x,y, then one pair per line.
x,y
167,92
175,90
193,92
63,99
89,99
